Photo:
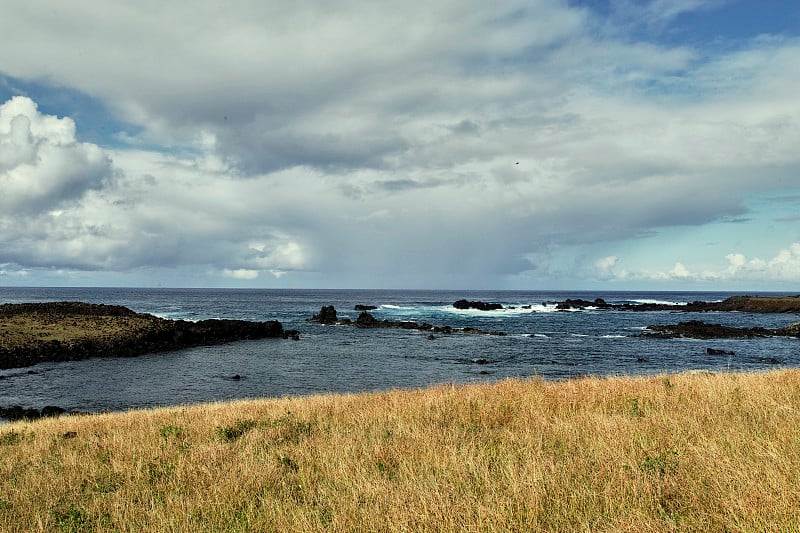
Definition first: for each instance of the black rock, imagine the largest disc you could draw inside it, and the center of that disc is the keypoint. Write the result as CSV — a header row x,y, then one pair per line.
x,y
236,377
15,412
581,304
366,320
327,315
361,307
696,329
480,361
714,351
52,410
291,334
481,306
431,337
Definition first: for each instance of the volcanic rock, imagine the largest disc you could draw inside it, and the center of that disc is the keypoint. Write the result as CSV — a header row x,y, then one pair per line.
x,y
481,306
327,315
366,320
715,351
696,329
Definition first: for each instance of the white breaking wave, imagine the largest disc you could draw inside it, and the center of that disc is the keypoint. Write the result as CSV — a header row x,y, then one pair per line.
x,y
657,302
175,316
613,336
507,310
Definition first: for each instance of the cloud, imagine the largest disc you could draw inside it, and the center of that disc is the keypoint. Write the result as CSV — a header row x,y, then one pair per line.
x,y
42,165
604,267
240,273
408,143
783,267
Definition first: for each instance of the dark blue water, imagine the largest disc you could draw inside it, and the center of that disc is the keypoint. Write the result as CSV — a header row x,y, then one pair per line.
x,y
540,342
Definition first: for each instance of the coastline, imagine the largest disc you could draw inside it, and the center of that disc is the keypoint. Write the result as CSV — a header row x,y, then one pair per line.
x,y
68,331
249,369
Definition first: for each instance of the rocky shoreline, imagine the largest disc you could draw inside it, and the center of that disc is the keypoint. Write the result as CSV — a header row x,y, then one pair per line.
x,y
63,331
743,304
32,333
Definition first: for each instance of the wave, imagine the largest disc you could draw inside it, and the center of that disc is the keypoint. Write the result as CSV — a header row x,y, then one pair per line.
x,y
613,336
181,316
656,302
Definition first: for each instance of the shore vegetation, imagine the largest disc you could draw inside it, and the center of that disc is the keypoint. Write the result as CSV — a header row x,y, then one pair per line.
x,y
684,452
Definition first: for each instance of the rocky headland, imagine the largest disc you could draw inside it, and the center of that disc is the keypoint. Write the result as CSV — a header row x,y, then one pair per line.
x,y
32,333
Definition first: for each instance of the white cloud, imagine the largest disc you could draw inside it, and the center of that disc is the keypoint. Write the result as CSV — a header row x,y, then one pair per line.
x,y
240,273
604,267
783,267
12,272
679,271
41,163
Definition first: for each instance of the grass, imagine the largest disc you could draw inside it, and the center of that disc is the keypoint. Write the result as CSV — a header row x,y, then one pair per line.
x,y
35,329
668,453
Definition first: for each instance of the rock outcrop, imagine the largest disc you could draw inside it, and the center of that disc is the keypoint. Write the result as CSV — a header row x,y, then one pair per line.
x,y
567,304
17,412
69,331
327,315
481,306
367,321
718,351
695,329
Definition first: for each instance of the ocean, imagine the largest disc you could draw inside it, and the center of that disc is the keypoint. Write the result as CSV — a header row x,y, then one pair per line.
x,y
539,342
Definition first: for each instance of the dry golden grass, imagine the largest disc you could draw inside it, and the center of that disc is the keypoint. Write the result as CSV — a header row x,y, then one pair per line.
x,y
35,329
667,453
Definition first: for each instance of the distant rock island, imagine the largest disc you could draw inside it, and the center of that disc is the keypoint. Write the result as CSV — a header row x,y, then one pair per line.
x,y
32,333
327,315
481,306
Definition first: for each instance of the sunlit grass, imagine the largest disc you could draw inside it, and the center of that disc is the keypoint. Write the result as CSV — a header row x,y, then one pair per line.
x,y
668,453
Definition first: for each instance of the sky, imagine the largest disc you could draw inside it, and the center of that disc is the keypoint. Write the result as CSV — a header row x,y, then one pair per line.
x,y
515,144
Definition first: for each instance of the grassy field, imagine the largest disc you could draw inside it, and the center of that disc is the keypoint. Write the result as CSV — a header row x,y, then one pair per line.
x,y
31,329
669,453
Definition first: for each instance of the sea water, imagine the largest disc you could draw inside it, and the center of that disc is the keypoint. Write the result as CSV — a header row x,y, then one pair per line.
x,y
540,341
